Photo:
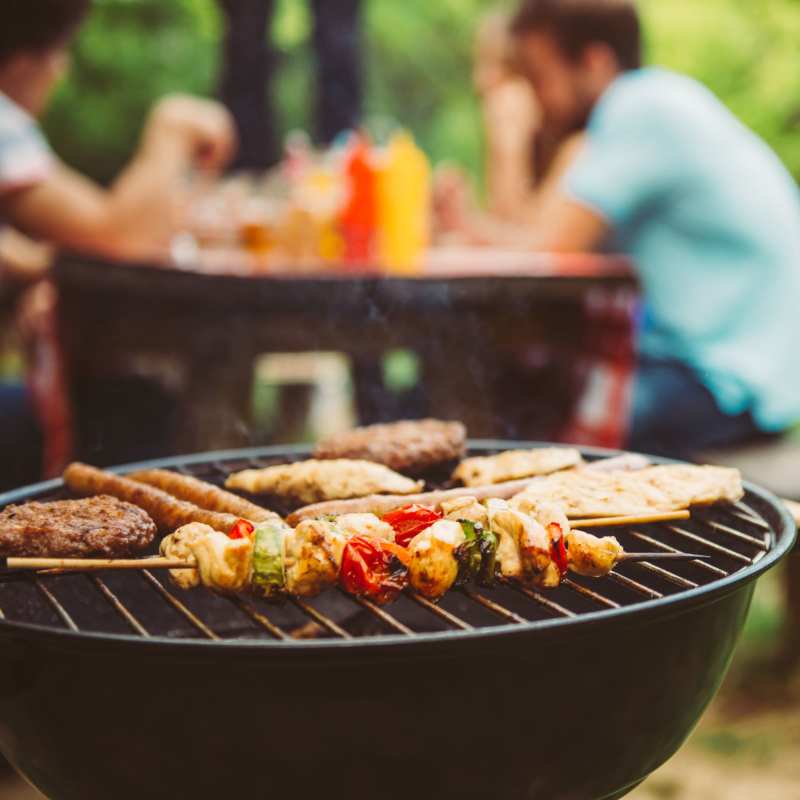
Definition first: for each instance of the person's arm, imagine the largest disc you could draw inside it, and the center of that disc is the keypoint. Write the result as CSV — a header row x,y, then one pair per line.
x,y
511,119
22,261
562,225
551,220
138,215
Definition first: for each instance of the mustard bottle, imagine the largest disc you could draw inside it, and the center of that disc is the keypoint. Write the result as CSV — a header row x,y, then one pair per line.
x,y
404,195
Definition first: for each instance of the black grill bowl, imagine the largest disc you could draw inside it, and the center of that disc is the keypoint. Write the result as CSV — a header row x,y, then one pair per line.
x,y
578,708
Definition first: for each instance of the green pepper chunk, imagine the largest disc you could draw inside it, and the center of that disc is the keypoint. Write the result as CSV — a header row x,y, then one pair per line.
x,y
268,575
468,554
488,553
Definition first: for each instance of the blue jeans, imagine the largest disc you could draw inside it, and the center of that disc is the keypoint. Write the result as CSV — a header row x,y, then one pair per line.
x,y
675,415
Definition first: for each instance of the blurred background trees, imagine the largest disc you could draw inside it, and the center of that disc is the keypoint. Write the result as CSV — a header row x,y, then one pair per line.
x,y
418,69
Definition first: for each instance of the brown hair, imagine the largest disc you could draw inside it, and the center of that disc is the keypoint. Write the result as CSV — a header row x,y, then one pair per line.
x,y
576,24
33,25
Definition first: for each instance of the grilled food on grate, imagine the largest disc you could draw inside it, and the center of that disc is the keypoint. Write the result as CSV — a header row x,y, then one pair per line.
x,y
96,526
167,511
515,464
591,491
312,481
377,558
585,493
412,446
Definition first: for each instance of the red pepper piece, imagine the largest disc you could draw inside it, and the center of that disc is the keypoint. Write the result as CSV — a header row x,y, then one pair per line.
x,y
410,520
241,530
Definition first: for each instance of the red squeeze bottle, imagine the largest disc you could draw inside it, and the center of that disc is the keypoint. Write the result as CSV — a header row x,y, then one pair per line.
x,y
358,219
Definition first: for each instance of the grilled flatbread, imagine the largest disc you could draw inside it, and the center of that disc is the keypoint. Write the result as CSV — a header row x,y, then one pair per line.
x,y
514,464
587,493
314,481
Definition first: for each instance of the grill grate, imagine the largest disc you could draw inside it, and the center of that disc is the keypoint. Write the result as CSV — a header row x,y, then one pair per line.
x,y
144,604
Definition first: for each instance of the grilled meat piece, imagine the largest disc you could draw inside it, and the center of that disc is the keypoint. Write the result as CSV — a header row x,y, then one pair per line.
x,y
381,504
222,562
433,567
167,511
312,481
178,546
515,464
672,487
468,508
412,446
592,556
202,494
98,526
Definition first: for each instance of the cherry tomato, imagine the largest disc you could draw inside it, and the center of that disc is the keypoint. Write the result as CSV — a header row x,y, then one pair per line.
x,y
408,521
241,530
367,569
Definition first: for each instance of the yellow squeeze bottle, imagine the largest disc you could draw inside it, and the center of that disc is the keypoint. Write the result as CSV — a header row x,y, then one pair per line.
x,y
404,193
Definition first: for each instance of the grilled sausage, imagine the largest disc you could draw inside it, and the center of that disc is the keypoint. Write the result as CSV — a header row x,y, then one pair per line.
x,y
202,494
381,504
167,511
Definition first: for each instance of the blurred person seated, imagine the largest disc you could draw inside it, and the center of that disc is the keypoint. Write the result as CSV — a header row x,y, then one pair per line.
x,y
705,209
42,197
136,218
523,155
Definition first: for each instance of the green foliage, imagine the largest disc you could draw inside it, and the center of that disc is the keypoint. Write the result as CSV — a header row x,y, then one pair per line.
x,y
418,68
129,53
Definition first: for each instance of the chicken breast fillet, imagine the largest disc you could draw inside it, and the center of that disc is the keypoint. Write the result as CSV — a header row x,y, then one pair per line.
x,y
515,464
314,481
588,493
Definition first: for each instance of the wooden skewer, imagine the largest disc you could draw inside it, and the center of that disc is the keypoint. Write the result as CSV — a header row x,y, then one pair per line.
x,y
629,557
82,564
636,519
56,566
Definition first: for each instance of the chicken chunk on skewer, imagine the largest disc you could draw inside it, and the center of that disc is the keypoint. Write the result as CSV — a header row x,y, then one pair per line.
x,y
469,508
592,556
222,563
523,550
314,549
433,566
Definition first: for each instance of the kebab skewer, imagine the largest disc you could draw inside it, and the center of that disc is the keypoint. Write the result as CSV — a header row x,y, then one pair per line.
x,y
377,558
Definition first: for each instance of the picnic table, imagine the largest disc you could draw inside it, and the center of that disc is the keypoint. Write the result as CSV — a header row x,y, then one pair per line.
x,y
512,344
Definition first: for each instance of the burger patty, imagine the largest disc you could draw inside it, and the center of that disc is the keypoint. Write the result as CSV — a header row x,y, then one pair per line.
x,y
408,446
96,526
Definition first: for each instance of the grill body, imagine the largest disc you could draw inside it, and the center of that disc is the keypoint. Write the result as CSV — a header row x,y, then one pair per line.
x,y
578,708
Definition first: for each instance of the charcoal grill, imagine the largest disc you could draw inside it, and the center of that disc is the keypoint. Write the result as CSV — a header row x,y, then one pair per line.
x,y
120,685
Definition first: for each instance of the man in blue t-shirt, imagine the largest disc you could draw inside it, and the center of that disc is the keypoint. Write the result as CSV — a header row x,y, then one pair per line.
x,y
704,208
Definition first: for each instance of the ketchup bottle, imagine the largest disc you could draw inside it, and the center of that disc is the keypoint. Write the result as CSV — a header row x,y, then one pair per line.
x,y
358,218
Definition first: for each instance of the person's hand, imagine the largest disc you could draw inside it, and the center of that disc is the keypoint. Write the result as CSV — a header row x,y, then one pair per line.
x,y
203,127
454,203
